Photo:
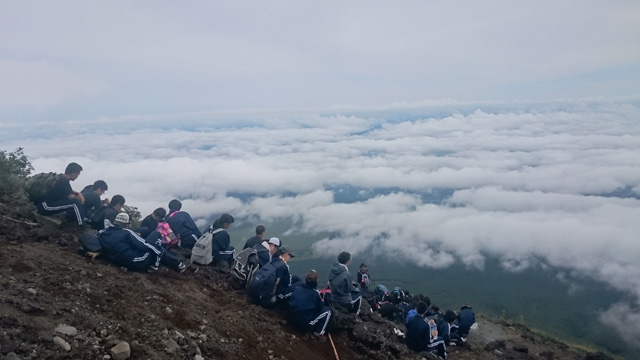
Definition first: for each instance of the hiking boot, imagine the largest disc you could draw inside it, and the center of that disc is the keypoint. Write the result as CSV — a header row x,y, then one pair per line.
x,y
183,267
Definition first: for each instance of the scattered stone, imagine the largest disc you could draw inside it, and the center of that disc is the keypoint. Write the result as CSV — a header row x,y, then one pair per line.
x,y
497,352
46,339
179,335
122,351
192,334
106,357
32,291
104,332
111,341
198,357
60,342
47,221
168,310
170,345
12,356
521,348
203,337
66,330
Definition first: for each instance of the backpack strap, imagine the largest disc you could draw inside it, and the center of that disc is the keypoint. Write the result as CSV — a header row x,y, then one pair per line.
x,y
216,231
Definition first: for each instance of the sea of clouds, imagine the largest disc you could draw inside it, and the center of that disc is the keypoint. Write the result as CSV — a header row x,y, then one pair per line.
x,y
555,184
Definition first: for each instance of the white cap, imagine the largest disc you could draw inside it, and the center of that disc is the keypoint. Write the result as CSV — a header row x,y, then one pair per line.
x,y
122,218
275,241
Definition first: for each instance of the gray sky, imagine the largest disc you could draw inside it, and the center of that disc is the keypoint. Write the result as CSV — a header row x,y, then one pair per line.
x,y
77,60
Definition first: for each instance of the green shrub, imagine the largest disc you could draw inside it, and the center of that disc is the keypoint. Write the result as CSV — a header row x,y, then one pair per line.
x,y
134,215
14,170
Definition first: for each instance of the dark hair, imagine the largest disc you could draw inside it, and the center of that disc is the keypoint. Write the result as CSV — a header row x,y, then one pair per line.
x,y
421,308
395,298
160,212
175,205
312,275
100,184
117,200
224,219
344,257
435,308
260,229
73,168
450,316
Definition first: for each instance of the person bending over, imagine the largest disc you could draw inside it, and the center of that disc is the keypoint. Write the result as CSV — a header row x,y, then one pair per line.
x,y
125,248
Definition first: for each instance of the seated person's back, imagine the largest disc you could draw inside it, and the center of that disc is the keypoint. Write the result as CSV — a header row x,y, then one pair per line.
x,y
182,224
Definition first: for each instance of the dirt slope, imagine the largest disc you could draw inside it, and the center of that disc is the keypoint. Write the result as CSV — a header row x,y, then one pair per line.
x,y
57,304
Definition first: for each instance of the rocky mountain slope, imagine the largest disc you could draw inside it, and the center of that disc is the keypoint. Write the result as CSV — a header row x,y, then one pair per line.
x,y
56,303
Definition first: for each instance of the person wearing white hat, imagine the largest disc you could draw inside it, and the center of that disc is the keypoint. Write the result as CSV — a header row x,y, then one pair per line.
x,y
125,248
266,249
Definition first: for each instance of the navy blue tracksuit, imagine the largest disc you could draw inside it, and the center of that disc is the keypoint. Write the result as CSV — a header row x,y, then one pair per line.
x,y
183,225
307,310
125,248
418,337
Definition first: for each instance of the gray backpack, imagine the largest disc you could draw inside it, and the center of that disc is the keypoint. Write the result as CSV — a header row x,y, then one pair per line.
x,y
202,252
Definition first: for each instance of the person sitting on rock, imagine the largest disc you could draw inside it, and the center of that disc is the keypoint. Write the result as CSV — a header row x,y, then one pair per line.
x,y
389,308
257,239
272,283
308,312
343,291
108,216
466,318
182,225
61,196
223,252
92,202
125,248
422,334
444,328
414,303
150,222
266,249
363,278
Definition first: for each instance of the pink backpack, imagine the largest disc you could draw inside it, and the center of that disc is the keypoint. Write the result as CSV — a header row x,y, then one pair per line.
x,y
167,237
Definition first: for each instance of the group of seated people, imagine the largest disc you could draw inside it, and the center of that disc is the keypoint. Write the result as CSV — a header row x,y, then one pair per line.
x,y
269,282
136,249
428,329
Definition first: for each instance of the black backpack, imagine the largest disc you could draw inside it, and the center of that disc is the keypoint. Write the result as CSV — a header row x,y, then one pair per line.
x,y
263,282
244,264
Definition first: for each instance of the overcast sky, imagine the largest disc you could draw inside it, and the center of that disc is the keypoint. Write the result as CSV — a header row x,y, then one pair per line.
x,y
166,100
82,60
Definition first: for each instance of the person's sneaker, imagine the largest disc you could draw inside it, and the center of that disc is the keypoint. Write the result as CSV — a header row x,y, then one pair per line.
x,y
183,267
152,268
